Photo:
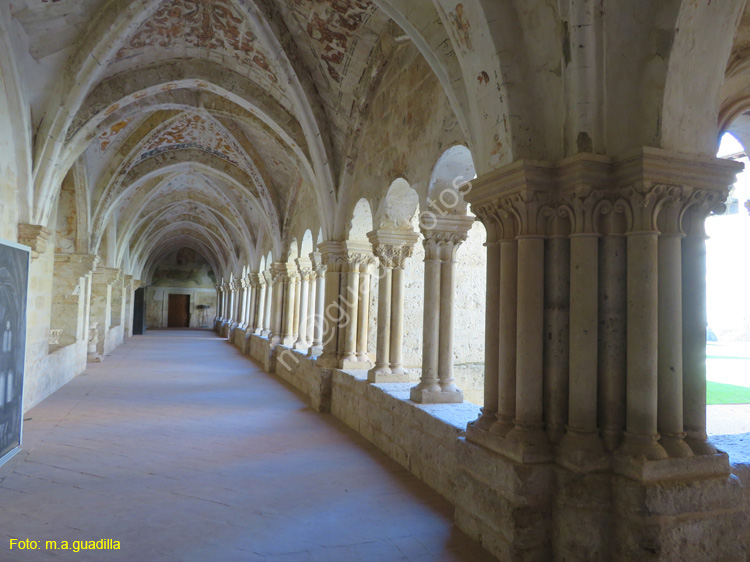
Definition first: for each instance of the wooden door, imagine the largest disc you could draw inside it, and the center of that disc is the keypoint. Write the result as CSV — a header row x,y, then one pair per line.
x,y
179,311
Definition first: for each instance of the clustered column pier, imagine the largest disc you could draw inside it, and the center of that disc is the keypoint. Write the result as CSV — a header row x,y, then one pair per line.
x,y
632,379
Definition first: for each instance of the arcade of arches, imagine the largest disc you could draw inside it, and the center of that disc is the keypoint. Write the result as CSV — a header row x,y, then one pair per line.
x,y
403,207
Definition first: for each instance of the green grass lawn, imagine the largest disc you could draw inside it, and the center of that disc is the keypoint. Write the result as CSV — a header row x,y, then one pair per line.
x,y
718,393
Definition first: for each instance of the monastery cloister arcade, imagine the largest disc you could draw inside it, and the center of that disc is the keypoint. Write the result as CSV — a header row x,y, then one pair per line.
x,y
401,208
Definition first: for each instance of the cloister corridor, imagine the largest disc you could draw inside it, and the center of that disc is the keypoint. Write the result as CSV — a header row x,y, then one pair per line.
x,y
181,448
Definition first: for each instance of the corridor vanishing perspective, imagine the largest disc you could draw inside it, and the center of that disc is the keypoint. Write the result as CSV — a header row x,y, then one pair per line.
x,y
473,231
184,452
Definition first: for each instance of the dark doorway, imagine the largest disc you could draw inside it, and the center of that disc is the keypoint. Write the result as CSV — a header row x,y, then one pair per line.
x,y
179,311
139,312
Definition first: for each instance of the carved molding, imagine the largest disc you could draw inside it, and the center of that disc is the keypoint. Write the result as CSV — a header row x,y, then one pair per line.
x,y
35,237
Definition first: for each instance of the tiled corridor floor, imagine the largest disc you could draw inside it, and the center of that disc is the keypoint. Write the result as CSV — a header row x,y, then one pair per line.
x,y
182,449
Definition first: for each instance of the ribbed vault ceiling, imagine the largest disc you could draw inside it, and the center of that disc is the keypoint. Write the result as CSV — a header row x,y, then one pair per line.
x,y
199,123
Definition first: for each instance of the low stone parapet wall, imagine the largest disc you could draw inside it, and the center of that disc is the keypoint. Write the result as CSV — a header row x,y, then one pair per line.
x,y
115,336
533,512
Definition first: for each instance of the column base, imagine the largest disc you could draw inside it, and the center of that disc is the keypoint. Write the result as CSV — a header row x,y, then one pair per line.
x,y
675,446
582,451
315,351
354,365
421,396
288,341
646,470
642,447
699,444
301,346
485,420
526,453
385,375
327,361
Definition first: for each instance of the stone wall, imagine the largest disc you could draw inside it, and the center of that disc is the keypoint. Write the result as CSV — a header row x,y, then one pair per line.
x,y
183,272
157,306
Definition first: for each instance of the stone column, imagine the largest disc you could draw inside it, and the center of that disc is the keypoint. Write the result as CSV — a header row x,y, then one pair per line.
x,y
334,255
441,244
694,321
392,248
306,274
351,296
252,308
279,272
297,304
221,290
310,319
582,443
670,407
320,299
382,370
232,309
363,318
488,416
289,283
528,429
641,437
507,325
518,202
261,306
219,306
268,305
244,303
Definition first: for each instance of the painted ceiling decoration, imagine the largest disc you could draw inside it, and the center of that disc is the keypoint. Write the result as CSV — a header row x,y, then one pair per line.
x,y
213,25
218,124
194,131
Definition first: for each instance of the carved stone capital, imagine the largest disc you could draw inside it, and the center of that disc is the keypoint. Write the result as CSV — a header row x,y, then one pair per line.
x,y
449,232
394,256
283,272
35,237
334,255
305,268
393,247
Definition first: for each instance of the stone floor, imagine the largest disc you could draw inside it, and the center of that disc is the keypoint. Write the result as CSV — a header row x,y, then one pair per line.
x,y
182,449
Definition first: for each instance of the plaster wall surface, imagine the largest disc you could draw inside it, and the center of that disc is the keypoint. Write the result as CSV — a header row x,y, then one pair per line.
x,y
53,371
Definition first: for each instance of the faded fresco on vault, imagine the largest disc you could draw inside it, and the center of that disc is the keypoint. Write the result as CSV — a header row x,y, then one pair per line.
x,y
14,275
